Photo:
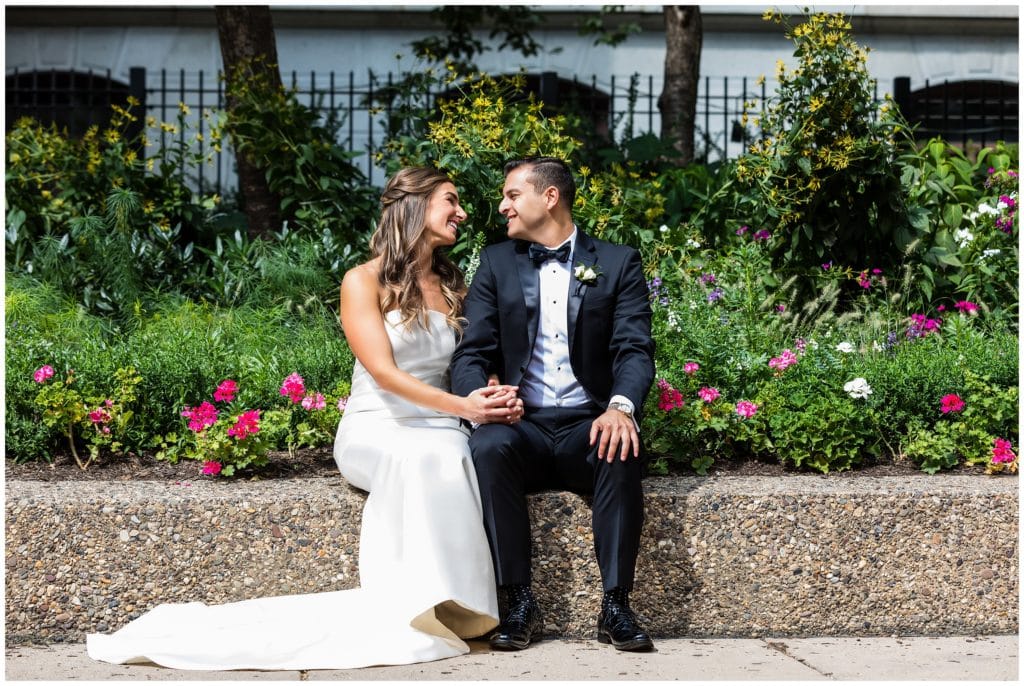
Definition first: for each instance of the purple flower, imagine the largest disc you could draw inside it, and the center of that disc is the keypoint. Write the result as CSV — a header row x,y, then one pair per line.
x,y
715,295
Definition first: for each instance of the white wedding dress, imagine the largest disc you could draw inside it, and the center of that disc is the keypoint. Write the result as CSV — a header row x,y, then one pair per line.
x,y
424,566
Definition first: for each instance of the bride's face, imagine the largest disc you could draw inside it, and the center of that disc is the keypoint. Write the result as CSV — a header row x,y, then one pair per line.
x,y
443,216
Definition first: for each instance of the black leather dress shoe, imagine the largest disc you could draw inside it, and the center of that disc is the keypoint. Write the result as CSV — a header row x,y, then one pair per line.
x,y
516,632
617,625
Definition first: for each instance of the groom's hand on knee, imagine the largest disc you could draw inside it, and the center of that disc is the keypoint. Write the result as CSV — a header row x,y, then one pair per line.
x,y
616,436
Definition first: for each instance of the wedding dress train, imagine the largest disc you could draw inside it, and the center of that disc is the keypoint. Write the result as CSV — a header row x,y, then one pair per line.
x,y
426,580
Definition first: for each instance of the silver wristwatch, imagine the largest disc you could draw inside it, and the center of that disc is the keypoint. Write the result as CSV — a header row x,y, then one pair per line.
x,y
621,407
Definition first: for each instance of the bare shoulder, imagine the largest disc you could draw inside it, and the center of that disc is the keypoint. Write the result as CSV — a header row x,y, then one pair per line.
x,y
362,276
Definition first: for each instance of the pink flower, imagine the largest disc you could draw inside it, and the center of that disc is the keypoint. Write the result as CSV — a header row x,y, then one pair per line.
x,y
784,361
247,423
708,395
342,403
293,387
43,373
742,230
966,306
200,417
762,235
780,307
826,266
691,367
746,409
314,402
226,391
1002,451
670,397
940,308
99,416
211,467
863,280
951,403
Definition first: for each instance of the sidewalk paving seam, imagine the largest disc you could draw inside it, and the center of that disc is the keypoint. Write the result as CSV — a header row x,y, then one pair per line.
x,y
781,647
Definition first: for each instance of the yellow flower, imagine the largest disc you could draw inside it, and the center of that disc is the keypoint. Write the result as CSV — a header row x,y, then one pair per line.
x,y
148,206
129,157
164,224
149,164
133,101
46,194
151,122
111,136
816,103
183,108
15,157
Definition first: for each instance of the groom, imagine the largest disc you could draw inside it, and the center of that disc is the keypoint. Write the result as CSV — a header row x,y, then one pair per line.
x,y
565,317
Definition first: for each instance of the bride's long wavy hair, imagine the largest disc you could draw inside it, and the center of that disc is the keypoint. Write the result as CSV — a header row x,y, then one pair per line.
x,y
397,242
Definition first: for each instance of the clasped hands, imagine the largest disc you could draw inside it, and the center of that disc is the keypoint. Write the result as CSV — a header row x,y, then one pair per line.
x,y
495,403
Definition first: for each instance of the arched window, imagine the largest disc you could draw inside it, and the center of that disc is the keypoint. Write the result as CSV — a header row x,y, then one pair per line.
x,y
70,99
979,112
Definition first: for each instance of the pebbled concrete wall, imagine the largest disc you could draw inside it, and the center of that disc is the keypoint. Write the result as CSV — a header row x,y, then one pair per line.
x,y
724,556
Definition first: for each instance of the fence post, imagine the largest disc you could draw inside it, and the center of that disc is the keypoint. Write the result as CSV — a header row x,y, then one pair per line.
x,y
901,94
137,90
549,88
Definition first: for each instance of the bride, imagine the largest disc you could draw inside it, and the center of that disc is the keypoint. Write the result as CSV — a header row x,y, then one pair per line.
x,y
425,570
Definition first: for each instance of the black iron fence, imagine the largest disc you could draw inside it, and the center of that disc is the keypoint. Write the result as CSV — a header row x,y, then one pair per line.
x,y
978,112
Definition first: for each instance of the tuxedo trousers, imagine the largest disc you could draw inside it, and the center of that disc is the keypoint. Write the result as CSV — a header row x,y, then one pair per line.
x,y
549,449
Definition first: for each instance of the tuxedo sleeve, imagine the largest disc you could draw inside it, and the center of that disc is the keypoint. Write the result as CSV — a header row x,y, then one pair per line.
x,y
632,345
477,354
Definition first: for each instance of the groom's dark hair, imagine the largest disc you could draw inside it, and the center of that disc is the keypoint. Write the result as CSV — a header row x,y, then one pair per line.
x,y
546,172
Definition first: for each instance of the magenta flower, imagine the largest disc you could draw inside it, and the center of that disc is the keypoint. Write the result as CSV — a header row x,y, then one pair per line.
x,y
43,373
952,403
706,278
293,387
314,402
342,403
780,308
247,423
940,308
670,397
746,409
708,395
226,391
742,230
762,235
784,361
200,417
1002,451
691,367
863,280
966,306
211,467
99,416
826,266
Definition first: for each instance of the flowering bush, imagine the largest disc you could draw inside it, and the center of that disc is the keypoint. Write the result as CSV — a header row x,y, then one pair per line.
x,y
99,420
98,216
821,173
978,428
230,437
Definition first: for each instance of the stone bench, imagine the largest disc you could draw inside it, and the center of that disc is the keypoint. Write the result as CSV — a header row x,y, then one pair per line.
x,y
720,556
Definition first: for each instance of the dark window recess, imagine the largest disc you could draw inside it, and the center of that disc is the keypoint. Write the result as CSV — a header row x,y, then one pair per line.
x,y
980,112
71,100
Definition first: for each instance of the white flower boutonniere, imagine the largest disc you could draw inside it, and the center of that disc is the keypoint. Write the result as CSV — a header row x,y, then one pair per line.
x,y
587,274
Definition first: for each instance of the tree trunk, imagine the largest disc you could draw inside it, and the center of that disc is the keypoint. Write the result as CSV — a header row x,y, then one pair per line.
x,y
684,34
246,33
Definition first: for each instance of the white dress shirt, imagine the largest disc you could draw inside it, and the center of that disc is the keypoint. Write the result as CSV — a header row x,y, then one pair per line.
x,y
549,380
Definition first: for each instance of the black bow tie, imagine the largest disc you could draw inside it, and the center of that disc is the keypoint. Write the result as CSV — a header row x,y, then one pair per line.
x,y
539,254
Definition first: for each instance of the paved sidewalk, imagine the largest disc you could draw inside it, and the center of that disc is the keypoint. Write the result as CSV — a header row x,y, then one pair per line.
x,y
986,658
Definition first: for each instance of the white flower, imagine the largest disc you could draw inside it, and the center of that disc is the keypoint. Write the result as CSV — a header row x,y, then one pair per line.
x,y
690,243
963,237
587,274
858,388
985,208
663,228
1001,205
992,252
845,347
876,347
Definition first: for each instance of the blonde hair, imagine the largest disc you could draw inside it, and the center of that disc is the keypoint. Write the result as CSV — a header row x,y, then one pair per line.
x,y
396,241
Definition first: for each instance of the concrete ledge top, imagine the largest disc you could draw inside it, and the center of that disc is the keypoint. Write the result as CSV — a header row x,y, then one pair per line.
x,y
276,490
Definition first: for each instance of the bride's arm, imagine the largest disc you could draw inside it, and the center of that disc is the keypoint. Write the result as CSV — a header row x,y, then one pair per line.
x,y
364,329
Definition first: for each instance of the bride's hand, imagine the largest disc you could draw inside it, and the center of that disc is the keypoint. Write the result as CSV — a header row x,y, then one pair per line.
x,y
494,403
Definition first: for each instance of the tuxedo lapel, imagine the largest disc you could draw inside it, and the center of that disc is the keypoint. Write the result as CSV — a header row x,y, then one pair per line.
x,y
529,279
585,254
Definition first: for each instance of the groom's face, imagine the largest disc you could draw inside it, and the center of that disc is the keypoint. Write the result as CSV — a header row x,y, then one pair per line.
x,y
526,207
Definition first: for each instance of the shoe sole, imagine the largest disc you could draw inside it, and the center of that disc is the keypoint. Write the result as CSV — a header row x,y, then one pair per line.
x,y
510,645
638,645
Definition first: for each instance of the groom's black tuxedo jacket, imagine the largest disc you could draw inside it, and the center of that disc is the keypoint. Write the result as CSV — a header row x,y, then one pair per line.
x,y
609,321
